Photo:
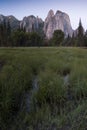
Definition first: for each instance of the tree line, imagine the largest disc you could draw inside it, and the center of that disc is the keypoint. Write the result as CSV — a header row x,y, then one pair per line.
x,y
79,38
20,37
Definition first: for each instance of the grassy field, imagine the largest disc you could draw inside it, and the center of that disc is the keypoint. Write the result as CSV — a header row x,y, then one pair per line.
x,y
43,88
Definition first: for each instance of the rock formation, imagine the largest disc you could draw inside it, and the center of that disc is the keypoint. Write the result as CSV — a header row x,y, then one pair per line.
x,y
58,21
14,23
31,23
53,22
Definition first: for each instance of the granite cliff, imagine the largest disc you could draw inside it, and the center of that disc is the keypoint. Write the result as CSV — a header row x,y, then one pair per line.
x,y
58,21
32,23
14,23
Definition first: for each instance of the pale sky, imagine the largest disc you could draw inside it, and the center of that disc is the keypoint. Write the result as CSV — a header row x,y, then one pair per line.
x,y
76,9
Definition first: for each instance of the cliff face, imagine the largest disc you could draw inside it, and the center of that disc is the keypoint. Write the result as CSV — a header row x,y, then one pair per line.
x,y
31,23
12,20
49,24
58,21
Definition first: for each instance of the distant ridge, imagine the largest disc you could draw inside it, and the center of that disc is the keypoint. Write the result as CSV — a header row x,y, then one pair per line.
x,y
59,20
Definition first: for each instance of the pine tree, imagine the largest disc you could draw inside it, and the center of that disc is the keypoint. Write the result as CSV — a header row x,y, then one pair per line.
x,y
1,34
80,35
8,28
80,29
8,34
58,37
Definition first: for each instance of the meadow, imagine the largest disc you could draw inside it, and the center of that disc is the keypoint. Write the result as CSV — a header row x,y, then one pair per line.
x,y
43,88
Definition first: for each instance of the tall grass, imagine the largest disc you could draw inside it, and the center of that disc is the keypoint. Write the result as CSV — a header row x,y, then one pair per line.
x,y
55,104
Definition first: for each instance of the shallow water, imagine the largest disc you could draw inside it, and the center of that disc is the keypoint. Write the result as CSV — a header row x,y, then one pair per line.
x,y
66,79
29,95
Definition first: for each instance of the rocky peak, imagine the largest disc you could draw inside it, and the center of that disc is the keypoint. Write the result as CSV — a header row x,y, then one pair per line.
x,y
58,21
50,14
48,24
31,23
11,19
58,12
2,17
61,14
15,23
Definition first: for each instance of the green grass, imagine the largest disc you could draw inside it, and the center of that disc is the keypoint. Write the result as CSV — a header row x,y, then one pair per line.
x,y
54,104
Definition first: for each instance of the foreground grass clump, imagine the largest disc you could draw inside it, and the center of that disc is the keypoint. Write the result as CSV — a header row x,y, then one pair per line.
x,y
43,89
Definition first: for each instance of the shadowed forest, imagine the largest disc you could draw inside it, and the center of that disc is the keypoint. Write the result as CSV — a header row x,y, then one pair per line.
x,y
20,37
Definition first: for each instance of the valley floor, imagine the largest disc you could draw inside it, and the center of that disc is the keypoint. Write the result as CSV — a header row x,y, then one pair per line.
x,y
43,88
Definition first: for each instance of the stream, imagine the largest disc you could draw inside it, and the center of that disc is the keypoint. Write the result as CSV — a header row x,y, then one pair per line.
x,y
29,95
66,80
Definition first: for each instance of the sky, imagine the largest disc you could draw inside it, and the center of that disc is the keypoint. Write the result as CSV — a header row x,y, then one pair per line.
x,y
76,9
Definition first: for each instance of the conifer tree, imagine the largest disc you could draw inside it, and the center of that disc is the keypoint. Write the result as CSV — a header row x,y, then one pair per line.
x,y
80,34
8,28
80,29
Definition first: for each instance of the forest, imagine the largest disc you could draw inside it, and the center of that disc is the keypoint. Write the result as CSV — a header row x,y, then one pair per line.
x,y
21,38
